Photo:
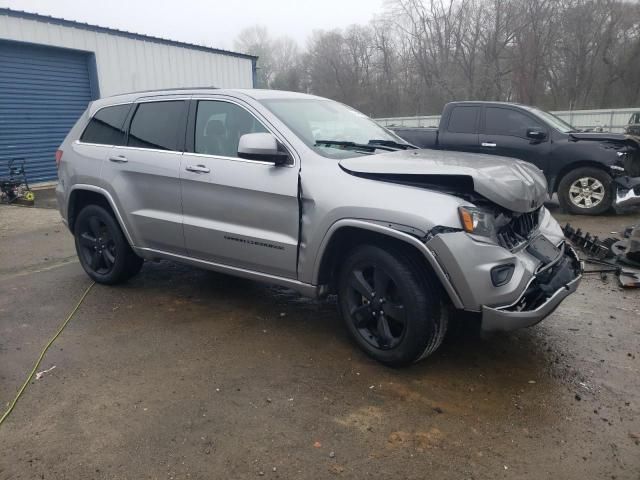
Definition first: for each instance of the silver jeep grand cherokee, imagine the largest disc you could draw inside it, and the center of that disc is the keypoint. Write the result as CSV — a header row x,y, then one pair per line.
x,y
310,194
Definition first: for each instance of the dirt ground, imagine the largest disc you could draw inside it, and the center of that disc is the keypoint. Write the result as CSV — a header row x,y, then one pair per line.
x,y
187,374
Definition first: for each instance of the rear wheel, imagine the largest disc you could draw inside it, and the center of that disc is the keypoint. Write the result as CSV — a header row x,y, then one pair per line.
x,y
391,305
103,250
586,191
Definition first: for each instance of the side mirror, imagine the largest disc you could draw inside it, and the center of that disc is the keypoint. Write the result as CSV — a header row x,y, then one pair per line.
x,y
536,134
261,147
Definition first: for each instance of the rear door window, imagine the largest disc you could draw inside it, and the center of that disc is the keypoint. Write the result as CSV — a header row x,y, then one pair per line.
x,y
504,121
158,125
107,126
463,119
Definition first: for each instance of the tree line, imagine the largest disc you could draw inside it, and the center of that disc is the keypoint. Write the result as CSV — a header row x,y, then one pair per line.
x,y
419,54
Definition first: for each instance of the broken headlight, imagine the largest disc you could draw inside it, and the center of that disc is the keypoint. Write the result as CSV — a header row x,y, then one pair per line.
x,y
478,222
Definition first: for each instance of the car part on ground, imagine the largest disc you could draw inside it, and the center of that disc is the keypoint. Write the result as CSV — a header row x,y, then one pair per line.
x,y
613,254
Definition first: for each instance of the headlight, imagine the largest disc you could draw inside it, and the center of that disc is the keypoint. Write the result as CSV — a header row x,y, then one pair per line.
x,y
477,221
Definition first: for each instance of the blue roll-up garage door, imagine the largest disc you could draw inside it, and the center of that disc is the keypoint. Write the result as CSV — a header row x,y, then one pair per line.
x,y
43,91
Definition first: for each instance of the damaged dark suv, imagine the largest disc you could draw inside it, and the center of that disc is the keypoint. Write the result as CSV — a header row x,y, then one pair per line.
x,y
307,193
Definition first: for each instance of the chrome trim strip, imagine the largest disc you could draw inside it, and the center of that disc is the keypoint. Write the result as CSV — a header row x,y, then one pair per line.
x,y
235,159
303,288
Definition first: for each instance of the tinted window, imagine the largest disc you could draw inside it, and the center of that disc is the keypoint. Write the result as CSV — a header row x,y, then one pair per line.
x,y
463,119
504,121
106,126
219,126
157,125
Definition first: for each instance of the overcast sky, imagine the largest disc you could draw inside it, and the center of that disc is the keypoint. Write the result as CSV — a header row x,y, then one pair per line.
x,y
213,23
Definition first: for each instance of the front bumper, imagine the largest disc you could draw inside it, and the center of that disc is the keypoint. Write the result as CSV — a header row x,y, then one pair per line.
x,y
518,315
535,289
627,191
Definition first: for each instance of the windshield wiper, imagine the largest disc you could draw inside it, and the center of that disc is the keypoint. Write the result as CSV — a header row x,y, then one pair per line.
x,y
368,147
393,144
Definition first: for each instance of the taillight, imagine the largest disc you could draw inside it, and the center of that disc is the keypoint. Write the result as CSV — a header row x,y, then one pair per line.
x,y
58,157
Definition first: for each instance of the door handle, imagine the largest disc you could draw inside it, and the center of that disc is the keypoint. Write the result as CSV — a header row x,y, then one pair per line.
x,y
486,144
197,169
118,159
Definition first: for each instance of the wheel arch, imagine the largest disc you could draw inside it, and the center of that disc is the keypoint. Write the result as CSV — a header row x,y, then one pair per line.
x,y
83,195
344,235
573,166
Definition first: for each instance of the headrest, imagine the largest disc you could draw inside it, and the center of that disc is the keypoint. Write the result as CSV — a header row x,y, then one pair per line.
x,y
214,127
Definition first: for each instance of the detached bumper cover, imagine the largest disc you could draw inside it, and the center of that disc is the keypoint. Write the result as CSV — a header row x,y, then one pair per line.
x,y
627,190
537,302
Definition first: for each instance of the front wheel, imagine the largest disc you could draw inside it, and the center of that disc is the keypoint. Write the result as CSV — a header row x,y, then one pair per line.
x,y
392,306
103,250
586,191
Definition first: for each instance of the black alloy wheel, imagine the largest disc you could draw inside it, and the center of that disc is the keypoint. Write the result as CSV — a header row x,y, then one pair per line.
x,y
102,248
97,247
392,304
376,307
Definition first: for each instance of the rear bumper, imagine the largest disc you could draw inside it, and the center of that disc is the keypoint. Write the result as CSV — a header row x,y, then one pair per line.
x,y
518,315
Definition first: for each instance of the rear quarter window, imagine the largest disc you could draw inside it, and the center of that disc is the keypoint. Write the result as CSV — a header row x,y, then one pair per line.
x,y
107,126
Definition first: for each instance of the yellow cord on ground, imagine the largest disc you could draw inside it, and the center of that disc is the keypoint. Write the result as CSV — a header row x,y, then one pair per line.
x,y
44,351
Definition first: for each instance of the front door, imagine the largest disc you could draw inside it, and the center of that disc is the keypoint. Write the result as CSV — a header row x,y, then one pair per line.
x,y
504,133
237,212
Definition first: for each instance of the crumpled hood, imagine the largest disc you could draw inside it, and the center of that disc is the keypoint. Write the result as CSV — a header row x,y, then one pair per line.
x,y
513,184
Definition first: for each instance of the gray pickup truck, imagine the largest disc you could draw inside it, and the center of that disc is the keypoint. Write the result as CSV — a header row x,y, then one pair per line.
x,y
307,193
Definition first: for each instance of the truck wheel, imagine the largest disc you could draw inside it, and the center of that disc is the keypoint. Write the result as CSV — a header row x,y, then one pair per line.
x,y
392,306
586,191
103,250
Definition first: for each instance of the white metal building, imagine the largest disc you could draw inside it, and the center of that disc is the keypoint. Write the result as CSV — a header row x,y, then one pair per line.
x,y
51,68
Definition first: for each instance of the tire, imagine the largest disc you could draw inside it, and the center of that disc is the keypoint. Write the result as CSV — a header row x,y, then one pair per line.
x,y
103,250
414,318
586,191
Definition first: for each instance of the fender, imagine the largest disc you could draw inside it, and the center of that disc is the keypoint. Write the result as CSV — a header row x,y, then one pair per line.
x,y
373,226
107,195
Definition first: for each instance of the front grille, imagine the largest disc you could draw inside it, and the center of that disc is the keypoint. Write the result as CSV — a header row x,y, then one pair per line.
x,y
519,229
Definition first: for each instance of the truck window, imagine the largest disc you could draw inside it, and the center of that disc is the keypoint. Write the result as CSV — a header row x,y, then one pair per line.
x,y
157,125
106,126
219,126
463,119
505,121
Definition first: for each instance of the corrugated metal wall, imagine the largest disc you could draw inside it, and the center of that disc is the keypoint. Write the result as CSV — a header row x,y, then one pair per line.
x,y
613,120
126,64
50,69
43,91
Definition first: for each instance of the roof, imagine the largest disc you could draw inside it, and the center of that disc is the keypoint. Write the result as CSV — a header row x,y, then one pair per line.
x,y
113,31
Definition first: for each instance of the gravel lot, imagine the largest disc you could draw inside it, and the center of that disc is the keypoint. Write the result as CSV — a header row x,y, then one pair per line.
x,y
186,374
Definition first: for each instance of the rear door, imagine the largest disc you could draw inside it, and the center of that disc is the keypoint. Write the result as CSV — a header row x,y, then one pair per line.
x,y
461,131
144,174
504,132
237,212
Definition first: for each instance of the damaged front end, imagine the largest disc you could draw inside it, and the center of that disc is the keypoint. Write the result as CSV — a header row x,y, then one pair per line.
x,y
515,278
625,170
550,285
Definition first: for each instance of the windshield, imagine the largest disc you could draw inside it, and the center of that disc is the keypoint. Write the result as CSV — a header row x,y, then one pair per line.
x,y
554,121
314,120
